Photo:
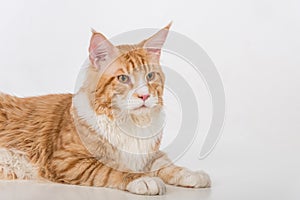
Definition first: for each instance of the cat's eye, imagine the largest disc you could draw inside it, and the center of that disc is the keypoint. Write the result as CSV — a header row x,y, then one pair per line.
x,y
150,76
123,78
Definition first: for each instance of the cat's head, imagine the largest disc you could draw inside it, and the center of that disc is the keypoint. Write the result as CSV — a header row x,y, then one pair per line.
x,y
126,79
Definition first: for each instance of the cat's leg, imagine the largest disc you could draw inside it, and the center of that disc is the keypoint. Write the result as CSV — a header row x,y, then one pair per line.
x,y
91,172
179,176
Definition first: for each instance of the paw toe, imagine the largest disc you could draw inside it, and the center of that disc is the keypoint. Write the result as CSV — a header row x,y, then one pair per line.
x,y
147,186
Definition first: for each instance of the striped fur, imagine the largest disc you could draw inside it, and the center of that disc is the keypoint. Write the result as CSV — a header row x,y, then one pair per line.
x,y
86,138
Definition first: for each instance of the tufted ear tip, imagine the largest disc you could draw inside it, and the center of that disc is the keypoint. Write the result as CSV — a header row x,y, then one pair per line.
x,y
93,30
169,25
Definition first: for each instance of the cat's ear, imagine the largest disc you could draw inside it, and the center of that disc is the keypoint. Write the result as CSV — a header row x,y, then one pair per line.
x,y
100,49
154,44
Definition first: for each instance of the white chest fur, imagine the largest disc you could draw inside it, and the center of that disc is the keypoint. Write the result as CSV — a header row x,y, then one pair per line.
x,y
135,144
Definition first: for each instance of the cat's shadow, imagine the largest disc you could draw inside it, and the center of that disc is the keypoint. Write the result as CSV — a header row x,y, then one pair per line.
x,y
45,191
174,193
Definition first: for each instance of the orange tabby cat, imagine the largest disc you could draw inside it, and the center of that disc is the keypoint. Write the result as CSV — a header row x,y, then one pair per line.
x,y
107,134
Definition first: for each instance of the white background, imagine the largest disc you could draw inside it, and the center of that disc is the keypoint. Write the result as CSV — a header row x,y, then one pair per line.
x,y
254,44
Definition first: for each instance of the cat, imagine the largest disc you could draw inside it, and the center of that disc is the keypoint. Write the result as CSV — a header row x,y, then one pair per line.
x,y
106,134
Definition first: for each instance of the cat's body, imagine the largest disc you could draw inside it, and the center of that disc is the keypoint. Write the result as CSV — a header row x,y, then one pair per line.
x,y
38,126
86,138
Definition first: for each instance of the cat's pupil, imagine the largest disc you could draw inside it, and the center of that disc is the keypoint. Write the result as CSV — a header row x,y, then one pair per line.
x,y
150,76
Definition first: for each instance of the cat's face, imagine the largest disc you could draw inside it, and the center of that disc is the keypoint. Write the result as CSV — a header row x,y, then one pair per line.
x,y
130,79
135,86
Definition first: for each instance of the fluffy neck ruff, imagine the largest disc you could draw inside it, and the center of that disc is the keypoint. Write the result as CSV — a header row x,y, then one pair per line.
x,y
117,142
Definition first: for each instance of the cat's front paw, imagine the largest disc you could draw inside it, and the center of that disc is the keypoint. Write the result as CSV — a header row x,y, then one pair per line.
x,y
197,179
147,186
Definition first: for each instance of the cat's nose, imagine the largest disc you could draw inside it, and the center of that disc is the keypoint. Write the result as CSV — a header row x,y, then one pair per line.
x,y
144,96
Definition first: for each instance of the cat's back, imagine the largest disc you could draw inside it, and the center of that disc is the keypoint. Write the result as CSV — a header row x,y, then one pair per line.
x,y
13,109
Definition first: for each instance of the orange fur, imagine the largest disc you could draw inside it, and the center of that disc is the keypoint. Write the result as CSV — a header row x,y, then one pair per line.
x,y
58,137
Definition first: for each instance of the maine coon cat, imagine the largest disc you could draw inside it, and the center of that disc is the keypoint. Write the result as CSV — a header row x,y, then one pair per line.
x,y
107,134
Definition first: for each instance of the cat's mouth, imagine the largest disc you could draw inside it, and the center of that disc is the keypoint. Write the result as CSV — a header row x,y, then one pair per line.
x,y
141,107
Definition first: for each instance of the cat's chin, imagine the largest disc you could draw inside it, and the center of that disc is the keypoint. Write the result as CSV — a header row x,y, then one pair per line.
x,y
143,122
